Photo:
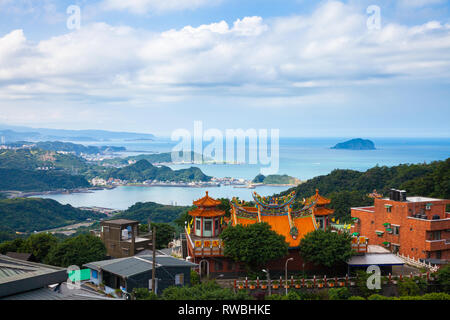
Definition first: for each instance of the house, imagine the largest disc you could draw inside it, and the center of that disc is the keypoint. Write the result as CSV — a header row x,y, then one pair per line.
x,y
418,227
25,280
122,239
136,272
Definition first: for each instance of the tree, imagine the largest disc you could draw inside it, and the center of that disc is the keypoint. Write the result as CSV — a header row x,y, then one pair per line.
x,y
11,246
326,248
39,245
443,276
164,233
339,293
77,251
254,245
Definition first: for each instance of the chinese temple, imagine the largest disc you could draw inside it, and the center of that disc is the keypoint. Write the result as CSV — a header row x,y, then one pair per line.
x,y
206,248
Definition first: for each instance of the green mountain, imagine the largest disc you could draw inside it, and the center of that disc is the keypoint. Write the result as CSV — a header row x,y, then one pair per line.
x,y
165,157
356,144
349,188
158,213
26,180
276,179
30,159
144,170
34,214
67,147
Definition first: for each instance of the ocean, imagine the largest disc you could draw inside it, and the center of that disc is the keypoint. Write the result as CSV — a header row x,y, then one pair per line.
x,y
303,158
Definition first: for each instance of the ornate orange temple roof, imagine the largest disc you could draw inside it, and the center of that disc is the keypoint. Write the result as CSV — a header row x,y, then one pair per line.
x,y
280,224
206,202
206,212
279,214
320,199
322,211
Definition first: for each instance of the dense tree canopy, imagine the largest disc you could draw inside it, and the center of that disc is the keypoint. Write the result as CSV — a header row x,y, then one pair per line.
x,y
254,245
34,214
204,291
164,233
77,251
326,248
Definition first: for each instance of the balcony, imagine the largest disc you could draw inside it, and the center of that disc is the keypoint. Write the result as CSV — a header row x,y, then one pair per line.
x,y
433,225
204,247
437,245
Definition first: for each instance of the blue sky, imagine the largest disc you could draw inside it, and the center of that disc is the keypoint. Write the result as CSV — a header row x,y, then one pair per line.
x,y
308,68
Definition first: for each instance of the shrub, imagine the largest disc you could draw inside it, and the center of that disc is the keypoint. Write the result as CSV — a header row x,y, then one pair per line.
x,y
378,297
408,287
339,293
195,278
356,298
144,294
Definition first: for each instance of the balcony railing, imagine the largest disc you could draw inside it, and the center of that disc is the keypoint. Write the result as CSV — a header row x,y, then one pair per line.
x,y
204,246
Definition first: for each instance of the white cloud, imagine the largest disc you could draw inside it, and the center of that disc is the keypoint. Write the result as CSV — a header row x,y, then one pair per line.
x,y
281,59
419,3
152,6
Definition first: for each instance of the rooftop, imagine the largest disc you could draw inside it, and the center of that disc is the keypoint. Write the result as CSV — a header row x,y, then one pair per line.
x,y
126,267
380,259
18,276
120,222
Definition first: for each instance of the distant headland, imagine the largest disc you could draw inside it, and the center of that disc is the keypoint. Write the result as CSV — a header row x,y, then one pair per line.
x,y
356,144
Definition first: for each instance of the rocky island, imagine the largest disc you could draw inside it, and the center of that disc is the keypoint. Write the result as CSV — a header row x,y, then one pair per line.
x,y
356,144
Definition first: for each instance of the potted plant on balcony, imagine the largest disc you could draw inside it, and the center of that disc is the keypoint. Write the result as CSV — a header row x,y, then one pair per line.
x,y
263,286
341,283
298,284
252,285
102,285
118,293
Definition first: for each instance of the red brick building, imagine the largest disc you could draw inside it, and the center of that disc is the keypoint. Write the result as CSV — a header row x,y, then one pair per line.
x,y
418,227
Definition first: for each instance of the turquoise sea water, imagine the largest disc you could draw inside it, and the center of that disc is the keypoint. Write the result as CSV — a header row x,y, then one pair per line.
x,y
303,158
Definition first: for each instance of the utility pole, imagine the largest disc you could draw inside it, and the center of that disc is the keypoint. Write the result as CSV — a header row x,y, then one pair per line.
x,y
153,259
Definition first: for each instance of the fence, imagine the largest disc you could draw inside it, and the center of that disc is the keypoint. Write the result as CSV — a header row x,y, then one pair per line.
x,y
317,282
417,263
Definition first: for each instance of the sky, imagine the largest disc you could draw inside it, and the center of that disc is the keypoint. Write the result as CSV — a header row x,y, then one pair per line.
x,y
307,68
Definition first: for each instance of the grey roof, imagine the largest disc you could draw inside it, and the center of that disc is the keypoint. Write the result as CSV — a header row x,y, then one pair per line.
x,y
18,276
120,221
126,267
380,259
63,294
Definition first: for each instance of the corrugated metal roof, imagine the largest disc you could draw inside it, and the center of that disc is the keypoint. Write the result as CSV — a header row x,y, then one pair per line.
x,y
126,267
380,259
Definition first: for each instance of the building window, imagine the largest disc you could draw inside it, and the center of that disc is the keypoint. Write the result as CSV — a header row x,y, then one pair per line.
x,y
436,235
179,279
207,227
198,227
388,209
438,254
216,227
396,230
395,249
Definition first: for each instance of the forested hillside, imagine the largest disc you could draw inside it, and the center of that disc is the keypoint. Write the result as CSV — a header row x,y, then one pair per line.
x,y
348,188
33,214
26,180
